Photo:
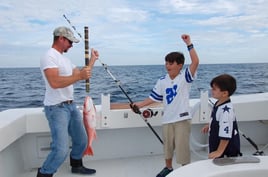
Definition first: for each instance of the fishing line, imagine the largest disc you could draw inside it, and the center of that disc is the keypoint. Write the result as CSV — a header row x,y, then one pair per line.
x,y
132,105
72,26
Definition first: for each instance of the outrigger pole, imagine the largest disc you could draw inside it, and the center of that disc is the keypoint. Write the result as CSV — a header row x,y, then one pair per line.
x,y
133,107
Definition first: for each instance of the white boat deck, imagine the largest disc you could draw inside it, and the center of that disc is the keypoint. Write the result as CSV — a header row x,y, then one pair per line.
x,y
125,146
143,166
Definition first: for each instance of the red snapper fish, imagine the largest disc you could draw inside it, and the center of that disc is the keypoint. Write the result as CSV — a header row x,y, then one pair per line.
x,y
89,118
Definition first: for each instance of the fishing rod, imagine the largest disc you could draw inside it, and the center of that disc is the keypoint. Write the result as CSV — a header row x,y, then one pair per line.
x,y
72,26
258,151
132,105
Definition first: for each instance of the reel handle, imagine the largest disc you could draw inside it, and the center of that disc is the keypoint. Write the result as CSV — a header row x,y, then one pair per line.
x,y
149,113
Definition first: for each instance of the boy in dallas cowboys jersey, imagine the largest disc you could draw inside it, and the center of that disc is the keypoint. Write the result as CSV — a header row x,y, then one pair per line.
x,y
173,91
223,130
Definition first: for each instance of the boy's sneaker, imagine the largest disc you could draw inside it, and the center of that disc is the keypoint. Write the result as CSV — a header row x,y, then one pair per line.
x,y
164,172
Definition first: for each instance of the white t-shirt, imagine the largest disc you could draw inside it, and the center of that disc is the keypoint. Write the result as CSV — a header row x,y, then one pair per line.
x,y
54,59
175,96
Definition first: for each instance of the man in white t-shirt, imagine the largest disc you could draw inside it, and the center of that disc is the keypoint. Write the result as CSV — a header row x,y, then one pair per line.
x,y
61,112
173,91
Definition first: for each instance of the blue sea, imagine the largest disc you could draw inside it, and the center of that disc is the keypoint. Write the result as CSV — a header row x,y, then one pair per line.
x,y
24,87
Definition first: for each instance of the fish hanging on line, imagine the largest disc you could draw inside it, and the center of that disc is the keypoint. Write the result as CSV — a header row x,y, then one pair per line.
x,y
89,118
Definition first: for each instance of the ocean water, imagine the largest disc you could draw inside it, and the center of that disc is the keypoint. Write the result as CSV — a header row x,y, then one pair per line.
x,y
24,87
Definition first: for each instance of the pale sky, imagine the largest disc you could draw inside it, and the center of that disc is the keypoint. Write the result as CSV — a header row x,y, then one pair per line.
x,y
136,32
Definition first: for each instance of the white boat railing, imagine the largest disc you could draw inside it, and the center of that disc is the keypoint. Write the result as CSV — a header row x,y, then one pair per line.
x,y
28,128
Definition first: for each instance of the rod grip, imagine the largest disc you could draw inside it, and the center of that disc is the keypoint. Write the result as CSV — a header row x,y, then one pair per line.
x,y
86,55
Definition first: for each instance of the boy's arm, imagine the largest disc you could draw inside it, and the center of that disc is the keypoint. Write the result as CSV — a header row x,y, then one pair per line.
x,y
146,102
222,146
193,55
205,128
119,106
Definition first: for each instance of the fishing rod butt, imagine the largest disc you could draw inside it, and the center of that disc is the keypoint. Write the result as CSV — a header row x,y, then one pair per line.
x,y
87,86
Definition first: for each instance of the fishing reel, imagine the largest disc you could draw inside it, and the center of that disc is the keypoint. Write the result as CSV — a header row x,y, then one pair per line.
x,y
148,113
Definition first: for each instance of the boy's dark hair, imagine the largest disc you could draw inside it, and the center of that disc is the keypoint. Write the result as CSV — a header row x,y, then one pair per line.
x,y
225,82
175,57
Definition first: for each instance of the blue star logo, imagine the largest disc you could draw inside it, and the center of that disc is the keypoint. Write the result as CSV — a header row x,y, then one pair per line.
x,y
226,108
